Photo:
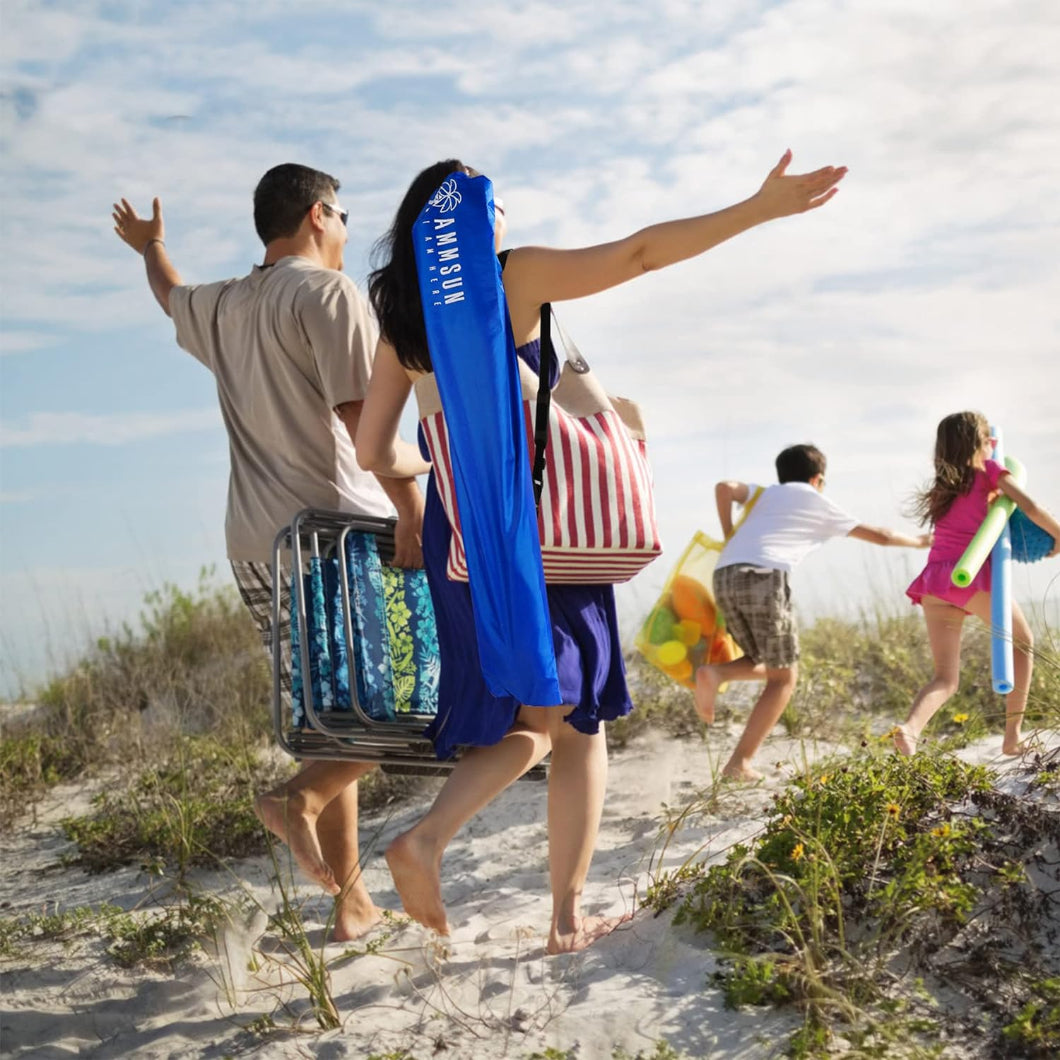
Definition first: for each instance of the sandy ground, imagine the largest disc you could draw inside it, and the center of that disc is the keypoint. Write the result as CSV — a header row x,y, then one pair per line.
x,y
488,991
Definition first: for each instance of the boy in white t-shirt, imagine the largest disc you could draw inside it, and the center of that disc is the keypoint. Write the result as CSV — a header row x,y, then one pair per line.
x,y
786,524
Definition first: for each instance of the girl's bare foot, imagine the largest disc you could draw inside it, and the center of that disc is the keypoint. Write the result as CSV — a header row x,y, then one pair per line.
x,y
707,681
416,871
582,932
905,740
283,816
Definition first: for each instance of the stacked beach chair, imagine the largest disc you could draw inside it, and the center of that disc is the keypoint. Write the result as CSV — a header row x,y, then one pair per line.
x,y
363,646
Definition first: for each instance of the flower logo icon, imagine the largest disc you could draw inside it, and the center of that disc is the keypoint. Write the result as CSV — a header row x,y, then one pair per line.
x,y
447,197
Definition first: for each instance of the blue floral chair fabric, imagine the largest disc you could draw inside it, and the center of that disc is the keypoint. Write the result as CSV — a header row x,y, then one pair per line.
x,y
395,639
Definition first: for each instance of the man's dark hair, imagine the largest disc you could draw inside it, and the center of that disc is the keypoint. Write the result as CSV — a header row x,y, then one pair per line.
x,y
284,195
800,463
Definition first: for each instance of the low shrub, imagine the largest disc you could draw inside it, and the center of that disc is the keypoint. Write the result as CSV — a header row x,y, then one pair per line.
x,y
883,859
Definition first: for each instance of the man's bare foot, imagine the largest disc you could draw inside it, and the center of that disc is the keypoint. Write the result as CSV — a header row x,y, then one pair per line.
x,y
582,933
416,872
905,740
740,771
293,826
707,682
352,923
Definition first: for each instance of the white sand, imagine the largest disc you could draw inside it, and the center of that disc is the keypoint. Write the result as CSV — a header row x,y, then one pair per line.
x,y
486,992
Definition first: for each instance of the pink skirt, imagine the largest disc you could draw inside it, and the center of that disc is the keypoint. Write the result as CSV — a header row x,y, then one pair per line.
x,y
936,579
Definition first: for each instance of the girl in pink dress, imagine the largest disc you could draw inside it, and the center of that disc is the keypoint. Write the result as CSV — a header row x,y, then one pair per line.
x,y
955,504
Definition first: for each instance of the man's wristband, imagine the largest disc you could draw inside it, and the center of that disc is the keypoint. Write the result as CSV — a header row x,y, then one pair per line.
x,y
150,241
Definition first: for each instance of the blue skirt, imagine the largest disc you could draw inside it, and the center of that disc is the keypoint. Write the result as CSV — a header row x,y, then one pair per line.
x,y
592,675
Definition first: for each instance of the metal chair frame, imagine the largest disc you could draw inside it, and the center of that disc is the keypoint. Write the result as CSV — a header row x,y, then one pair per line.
x,y
398,746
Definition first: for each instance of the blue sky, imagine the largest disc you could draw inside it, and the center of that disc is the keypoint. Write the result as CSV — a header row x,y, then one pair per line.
x,y
928,285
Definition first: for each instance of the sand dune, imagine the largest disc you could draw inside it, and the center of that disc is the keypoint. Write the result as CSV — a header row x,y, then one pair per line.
x,y
487,991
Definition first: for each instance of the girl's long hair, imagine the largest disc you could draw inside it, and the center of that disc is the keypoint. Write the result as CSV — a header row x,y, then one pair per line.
x,y
393,287
957,440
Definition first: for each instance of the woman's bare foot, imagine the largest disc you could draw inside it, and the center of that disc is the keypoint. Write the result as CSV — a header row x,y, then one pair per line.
x,y
353,922
707,682
582,932
1014,746
905,740
283,816
740,771
416,871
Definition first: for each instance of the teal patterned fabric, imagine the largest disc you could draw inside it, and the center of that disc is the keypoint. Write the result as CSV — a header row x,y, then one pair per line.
x,y
394,636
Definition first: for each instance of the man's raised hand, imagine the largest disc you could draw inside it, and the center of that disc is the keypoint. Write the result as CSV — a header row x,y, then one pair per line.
x,y
135,230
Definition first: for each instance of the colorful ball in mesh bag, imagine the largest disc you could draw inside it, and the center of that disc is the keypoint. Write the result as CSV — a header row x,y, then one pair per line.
x,y
1030,542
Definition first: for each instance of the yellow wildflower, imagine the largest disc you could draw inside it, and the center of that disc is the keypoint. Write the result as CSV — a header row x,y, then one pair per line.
x,y
891,734
824,778
894,809
960,719
941,832
797,852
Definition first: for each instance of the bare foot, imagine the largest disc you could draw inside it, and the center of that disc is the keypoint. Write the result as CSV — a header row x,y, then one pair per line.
x,y
739,771
584,932
352,923
298,830
1015,746
707,682
904,740
416,872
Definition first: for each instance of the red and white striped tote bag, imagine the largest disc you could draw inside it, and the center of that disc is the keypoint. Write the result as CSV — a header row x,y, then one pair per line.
x,y
596,518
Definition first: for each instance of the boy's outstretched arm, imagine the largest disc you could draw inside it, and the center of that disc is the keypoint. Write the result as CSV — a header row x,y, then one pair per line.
x,y
726,494
879,535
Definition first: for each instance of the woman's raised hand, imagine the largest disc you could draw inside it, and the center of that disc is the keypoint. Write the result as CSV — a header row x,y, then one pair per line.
x,y
781,194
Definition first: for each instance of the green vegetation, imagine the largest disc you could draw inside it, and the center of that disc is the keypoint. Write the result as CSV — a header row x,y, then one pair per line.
x,y
157,938
195,665
193,808
874,866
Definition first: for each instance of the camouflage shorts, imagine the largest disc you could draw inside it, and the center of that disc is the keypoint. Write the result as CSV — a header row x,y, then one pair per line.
x,y
756,603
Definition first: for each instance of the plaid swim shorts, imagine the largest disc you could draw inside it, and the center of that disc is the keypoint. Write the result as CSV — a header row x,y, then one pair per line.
x,y
756,603
255,587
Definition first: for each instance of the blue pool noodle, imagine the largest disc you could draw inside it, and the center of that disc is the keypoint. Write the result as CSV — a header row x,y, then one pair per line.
x,y
1001,663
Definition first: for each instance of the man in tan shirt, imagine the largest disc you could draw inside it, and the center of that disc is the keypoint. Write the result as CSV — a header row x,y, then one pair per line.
x,y
290,346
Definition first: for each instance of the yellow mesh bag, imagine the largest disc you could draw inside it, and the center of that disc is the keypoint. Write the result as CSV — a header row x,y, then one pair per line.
x,y
685,629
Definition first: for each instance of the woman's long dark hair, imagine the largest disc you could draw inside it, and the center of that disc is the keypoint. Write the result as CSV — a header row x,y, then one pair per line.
x,y
393,287
957,440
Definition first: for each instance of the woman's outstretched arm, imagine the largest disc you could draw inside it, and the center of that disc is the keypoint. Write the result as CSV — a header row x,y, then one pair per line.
x,y
534,275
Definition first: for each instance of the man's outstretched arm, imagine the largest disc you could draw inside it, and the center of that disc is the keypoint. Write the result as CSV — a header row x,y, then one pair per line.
x,y
147,236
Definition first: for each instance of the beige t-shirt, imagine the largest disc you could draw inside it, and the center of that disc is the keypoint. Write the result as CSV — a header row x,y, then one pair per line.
x,y
286,345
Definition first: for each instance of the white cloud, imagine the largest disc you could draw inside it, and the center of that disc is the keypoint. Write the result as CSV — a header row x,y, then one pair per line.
x,y
928,284
64,428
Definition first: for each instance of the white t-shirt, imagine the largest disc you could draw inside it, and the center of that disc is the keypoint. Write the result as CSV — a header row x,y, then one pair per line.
x,y
788,522
286,344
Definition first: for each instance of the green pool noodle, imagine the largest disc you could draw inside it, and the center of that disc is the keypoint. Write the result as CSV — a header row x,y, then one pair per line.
x,y
978,550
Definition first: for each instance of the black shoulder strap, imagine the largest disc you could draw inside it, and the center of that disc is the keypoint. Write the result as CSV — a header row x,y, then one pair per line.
x,y
502,257
544,400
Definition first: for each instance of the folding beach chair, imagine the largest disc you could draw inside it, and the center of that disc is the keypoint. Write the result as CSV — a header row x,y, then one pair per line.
x,y
364,650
